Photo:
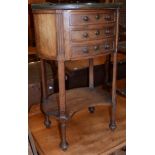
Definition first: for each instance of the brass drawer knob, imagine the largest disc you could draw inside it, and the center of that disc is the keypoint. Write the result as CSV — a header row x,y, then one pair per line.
x,y
96,47
106,46
97,16
107,17
85,50
85,35
97,32
107,31
85,18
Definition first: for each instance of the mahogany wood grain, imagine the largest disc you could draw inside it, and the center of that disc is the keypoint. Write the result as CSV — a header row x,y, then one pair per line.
x,y
45,34
98,33
91,17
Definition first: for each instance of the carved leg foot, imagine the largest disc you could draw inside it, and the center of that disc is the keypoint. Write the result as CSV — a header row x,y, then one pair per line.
x,y
91,109
112,125
63,144
47,122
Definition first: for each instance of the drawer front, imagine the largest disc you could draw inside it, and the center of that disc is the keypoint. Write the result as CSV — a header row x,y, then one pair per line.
x,y
90,50
86,18
87,35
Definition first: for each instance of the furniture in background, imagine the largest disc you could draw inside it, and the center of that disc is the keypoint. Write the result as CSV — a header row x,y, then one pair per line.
x,y
77,72
74,32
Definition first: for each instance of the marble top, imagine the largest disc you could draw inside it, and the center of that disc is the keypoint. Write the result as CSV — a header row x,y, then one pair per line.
x,y
74,6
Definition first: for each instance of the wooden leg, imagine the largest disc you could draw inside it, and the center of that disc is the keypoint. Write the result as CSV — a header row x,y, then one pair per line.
x,y
112,124
47,122
62,104
91,81
107,69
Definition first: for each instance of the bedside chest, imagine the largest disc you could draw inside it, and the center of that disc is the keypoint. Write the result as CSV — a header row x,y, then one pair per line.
x,y
74,32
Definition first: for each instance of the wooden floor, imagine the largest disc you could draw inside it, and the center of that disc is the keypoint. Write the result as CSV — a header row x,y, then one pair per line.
x,y
88,134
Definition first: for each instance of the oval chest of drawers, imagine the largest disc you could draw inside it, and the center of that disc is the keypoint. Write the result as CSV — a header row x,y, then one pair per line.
x,y
89,33
75,32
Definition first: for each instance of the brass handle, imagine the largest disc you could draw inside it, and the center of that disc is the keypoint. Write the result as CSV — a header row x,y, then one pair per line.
x,y
97,17
85,50
97,32
96,47
107,17
85,35
106,46
85,18
107,31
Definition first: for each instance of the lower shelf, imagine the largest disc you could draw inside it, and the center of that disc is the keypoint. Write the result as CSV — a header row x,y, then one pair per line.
x,y
77,99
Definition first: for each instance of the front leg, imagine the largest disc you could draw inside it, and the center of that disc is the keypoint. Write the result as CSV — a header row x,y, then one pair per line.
x,y
62,104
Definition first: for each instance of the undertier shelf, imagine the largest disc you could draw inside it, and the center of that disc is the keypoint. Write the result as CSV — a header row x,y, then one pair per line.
x,y
77,99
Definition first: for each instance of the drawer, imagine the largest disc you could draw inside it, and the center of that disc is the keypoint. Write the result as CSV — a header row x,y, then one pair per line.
x,y
90,50
87,35
86,18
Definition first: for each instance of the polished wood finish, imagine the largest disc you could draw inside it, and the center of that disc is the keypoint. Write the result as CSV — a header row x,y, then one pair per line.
x,y
79,38
112,124
87,35
99,17
45,33
76,100
87,134
85,38
54,29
